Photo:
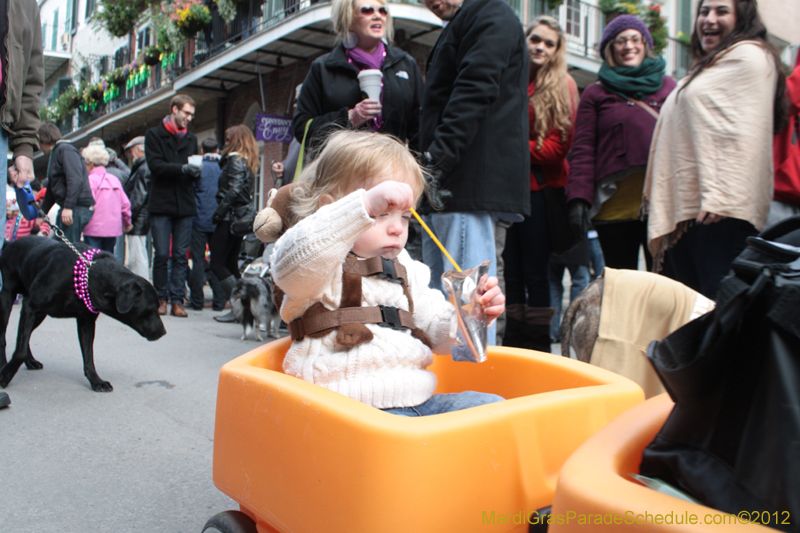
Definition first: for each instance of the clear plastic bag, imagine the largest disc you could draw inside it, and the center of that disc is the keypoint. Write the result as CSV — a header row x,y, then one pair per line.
x,y
469,339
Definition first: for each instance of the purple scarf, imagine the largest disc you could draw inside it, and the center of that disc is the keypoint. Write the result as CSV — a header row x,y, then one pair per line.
x,y
364,61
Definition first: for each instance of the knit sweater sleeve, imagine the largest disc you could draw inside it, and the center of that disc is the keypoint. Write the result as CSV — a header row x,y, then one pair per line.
x,y
310,254
432,313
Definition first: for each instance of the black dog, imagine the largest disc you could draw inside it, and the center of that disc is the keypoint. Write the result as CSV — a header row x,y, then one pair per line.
x,y
252,305
41,270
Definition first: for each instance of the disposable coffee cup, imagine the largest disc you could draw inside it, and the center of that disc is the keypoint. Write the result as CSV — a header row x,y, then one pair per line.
x,y
370,83
196,160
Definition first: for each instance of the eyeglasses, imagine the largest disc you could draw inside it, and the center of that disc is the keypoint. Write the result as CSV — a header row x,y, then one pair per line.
x,y
635,40
369,10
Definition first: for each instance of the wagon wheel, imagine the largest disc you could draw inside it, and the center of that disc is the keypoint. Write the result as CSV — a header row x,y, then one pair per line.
x,y
230,522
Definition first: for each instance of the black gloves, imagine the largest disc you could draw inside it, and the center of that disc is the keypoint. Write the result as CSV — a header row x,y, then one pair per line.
x,y
578,216
191,171
217,218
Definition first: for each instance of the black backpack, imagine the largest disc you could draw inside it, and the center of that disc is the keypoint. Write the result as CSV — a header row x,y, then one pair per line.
x,y
732,440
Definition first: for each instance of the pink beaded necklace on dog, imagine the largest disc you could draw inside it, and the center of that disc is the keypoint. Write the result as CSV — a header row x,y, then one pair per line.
x,y
80,277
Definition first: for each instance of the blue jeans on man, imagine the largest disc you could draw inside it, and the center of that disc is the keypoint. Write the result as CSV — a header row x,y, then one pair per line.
x,y
162,227
468,238
197,277
81,215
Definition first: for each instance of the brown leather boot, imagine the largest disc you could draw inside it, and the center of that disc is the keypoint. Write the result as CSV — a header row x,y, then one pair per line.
x,y
162,307
178,310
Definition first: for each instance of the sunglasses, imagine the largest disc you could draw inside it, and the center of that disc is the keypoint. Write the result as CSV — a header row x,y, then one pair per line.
x,y
369,10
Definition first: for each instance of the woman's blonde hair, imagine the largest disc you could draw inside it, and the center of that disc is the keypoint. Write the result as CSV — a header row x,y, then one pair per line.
x,y
552,101
343,13
351,160
95,154
239,139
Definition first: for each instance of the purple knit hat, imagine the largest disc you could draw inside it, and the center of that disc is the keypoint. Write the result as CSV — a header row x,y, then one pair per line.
x,y
620,24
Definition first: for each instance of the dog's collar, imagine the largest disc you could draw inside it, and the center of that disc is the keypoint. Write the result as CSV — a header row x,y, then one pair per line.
x,y
80,277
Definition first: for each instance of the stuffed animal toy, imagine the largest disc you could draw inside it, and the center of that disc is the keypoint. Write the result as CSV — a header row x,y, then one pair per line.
x,y
273,221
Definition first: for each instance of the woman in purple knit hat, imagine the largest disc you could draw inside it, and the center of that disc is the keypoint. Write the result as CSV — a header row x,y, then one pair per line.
x,y
615,123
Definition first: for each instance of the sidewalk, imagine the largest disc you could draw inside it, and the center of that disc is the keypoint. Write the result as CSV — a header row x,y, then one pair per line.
x,y
136,459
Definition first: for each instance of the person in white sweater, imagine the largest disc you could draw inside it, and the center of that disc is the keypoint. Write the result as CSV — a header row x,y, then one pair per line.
x,y
346,255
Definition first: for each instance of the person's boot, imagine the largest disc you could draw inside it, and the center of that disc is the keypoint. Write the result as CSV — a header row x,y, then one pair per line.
x,y
228,285
162,307
5,401
515,319
178,310
536,329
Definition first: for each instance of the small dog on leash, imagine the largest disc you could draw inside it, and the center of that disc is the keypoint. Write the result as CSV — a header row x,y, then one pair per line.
x,y
252,306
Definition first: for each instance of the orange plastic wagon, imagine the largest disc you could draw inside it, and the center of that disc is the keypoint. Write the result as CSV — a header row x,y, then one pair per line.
x,y
300,458
596,494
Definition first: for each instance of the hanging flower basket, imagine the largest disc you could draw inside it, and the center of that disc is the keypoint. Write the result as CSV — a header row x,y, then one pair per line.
x,y
190,17
152,56
94,92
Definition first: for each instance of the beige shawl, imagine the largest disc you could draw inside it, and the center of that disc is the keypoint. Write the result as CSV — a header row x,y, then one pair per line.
x,y
712,147
638,308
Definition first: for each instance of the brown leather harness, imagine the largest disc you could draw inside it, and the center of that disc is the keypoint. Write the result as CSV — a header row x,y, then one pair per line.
x,y
351,316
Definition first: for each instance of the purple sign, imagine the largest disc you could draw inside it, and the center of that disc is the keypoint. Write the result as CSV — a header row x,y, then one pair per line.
x,y
274,128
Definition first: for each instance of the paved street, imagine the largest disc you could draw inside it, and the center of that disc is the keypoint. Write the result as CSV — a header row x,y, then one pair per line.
x,y
136,459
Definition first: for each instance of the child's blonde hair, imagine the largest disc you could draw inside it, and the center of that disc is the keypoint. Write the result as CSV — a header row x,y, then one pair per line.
x,y
350,160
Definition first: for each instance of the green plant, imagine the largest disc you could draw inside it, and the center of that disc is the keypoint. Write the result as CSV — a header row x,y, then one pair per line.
x,y
554,4
684,38
227,9
611,6
190,16
151,55
657,26
118,17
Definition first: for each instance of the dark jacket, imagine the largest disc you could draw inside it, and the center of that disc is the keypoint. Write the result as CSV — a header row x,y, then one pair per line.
x,y
172,192
205,194
612,138
23,74
331,89
474,121
236,184
137,189
67,179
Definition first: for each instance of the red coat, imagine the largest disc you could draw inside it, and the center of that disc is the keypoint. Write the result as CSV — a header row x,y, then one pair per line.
x,y
552,156
786,145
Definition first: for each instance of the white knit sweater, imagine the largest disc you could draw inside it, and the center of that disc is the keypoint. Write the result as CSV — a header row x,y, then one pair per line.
x,y
388,371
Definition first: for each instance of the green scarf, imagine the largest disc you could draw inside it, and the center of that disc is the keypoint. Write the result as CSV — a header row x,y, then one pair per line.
x,y
634,82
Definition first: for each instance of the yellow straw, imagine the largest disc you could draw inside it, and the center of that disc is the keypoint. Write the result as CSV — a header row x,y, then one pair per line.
x,y
441,247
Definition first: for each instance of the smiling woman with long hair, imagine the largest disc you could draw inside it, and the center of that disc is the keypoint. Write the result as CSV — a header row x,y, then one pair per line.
x,y
240,165
553,100
709,181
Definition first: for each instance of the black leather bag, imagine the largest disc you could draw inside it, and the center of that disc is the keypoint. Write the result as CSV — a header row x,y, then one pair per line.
x,y
242,219
562,238
732,440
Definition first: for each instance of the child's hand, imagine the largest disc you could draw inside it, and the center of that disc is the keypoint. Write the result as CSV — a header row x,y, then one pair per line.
x,y
491,297
388,196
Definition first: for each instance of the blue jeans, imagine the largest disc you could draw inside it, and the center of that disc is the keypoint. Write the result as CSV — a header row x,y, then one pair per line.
x,y
162,227
103,243
468,237
579,274
447,403
81,216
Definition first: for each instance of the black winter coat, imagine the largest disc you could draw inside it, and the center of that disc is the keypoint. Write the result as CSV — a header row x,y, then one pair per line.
x,y
474,121
67,179
236,184
331,89
136,188
172,192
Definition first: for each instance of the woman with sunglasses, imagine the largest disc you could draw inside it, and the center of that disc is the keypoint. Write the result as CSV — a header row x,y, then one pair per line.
x,y
331,96
709,181
615,124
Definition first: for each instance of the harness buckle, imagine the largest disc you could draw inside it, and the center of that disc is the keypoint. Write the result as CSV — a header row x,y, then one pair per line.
x,y
389,273
391,318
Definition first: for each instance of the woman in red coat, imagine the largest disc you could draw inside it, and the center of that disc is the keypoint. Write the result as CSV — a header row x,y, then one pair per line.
x,y
552,107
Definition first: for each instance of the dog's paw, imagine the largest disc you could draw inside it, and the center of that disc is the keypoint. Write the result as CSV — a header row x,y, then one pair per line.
x,y
33,364
102,386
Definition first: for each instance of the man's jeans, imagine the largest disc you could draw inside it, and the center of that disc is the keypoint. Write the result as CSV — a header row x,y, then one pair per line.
x,y
470,240
80,217
162,227
447,403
